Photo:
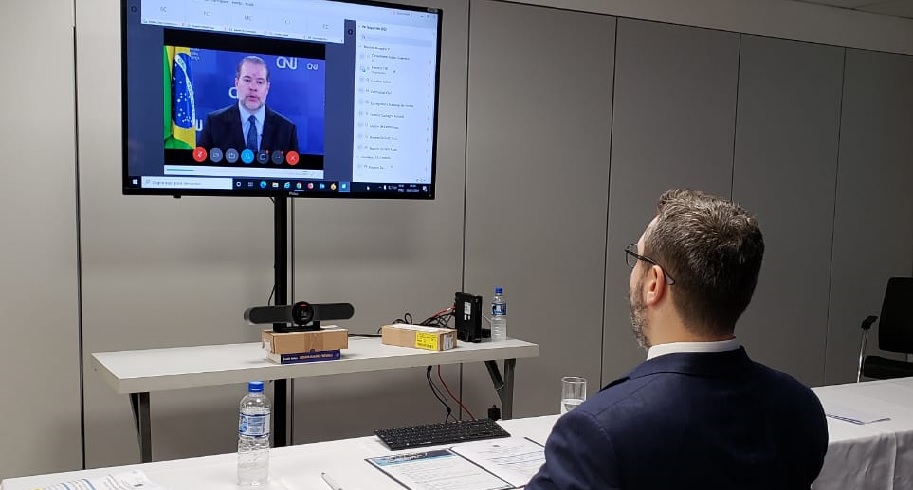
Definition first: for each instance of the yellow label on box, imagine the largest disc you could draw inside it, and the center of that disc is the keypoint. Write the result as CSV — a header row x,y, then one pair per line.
x,y
425,340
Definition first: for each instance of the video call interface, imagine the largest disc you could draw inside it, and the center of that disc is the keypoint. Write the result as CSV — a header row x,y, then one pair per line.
x,y
293,97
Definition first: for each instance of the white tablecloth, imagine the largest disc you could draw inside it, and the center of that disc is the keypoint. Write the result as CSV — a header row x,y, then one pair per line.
x,y
875,456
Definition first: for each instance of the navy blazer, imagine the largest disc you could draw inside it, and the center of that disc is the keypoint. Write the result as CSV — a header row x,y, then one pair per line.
x,y
222,129
690,421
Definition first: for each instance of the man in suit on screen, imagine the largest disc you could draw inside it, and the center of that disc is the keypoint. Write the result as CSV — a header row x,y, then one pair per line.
x,y
698,413
250,123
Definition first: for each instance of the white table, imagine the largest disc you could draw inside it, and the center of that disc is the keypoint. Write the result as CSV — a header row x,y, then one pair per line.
x,y
870,457
140,372
876,456
291,467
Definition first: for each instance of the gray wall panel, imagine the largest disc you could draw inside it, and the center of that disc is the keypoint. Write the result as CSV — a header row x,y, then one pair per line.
x,y
674,118
873,229
537,175
39,352
785,172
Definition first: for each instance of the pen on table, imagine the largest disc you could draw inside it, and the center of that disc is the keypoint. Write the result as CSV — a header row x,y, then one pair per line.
x,y
329,481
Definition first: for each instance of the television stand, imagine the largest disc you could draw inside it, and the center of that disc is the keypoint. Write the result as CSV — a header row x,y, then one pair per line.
x,y
281,403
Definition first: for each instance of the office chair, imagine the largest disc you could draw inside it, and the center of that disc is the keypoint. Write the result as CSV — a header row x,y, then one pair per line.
x,y
895,333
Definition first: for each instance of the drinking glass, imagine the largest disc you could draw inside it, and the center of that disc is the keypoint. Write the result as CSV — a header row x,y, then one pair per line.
x,y
573,392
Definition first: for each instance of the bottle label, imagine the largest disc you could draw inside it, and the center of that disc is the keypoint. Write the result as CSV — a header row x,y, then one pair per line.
x,y
254,425
499,309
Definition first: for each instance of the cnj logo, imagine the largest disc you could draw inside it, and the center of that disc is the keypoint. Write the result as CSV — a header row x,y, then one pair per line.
x,y
284,63
287,63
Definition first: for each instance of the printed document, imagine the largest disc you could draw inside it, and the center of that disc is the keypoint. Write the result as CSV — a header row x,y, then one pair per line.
x,y
852,415
514,459
132,480
439,469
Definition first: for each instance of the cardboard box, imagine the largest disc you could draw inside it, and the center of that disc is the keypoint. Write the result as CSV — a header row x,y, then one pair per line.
x,y
329,338
419,337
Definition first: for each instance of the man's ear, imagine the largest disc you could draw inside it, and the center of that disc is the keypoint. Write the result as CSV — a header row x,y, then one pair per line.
x,y
654,285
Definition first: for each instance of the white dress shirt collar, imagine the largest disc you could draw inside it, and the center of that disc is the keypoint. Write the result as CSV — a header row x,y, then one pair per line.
x,y
674,347
260,114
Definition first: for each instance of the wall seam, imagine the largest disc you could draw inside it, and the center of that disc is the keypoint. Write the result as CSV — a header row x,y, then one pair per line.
x,y
78,213
605,272
735,121
830,279
465,169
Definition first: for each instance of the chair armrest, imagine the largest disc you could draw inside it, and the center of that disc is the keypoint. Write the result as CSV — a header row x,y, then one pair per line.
x,y
866,325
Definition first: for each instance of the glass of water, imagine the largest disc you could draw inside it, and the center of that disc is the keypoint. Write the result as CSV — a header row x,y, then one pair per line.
x,y
573,392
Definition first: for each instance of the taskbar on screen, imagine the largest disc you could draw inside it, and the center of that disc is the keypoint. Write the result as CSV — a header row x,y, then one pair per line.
x,y
272,185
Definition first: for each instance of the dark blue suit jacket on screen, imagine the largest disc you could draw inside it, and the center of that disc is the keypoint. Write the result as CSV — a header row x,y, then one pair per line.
x,y
690,421
222,129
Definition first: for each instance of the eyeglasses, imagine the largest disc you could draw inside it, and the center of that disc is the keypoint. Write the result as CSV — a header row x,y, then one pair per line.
x,y
631,256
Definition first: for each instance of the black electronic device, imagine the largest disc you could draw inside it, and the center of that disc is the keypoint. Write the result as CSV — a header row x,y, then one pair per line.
x,y
299,317
468,316
343,95
436,434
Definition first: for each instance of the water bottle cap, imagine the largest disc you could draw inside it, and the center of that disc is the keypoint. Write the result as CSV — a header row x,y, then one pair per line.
x,y
255,386
498,290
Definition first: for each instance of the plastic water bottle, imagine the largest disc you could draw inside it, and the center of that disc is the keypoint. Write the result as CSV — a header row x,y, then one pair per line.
x,y
498,316
253,436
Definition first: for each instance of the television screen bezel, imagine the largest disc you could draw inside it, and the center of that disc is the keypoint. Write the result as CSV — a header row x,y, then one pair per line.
x,y
127,189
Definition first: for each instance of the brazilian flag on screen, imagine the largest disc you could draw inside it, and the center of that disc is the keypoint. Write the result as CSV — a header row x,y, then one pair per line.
x,y
179,111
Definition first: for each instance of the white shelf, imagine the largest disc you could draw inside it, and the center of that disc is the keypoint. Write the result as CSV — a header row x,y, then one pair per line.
x,y
210,365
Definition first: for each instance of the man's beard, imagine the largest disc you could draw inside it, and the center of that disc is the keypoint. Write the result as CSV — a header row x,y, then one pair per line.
x,y
639,316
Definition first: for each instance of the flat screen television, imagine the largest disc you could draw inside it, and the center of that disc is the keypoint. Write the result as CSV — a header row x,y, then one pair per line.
x,y
300,98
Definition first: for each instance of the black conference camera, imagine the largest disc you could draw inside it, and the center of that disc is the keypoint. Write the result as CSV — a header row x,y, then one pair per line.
x,y
299,317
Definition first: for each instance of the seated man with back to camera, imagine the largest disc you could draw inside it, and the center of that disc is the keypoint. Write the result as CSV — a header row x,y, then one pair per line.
x,y
698,413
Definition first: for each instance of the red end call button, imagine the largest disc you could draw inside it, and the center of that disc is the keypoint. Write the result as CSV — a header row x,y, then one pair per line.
x,y
292,158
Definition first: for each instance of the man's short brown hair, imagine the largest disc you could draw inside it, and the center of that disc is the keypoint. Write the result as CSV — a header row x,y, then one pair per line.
x,y
254,60
713,248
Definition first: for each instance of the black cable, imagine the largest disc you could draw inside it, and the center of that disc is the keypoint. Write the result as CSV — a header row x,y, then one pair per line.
x,y
440,321
271,292
407,319
436,392
440,398
364,335
454,398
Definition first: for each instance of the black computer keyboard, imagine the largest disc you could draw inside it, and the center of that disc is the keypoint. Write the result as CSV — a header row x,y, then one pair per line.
x,y
435,434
